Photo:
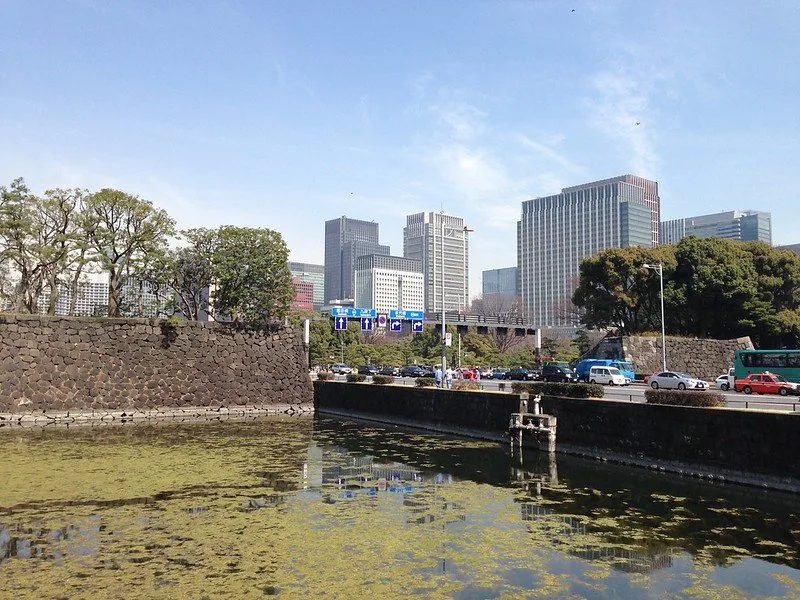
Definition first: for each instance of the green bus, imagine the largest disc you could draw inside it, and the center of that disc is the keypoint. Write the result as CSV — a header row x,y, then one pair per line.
x,y
781,362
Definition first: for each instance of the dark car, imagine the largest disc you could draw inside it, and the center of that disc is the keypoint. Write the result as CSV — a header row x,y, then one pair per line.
x,y
521,374
368,370
393,371
559,374
413,371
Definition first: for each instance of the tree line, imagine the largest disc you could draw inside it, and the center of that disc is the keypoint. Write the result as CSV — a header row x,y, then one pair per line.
x,y
49,243
713,288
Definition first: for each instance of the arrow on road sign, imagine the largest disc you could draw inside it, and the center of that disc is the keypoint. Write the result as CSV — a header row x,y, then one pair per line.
x,y
340,323
366,324
416,326
396,325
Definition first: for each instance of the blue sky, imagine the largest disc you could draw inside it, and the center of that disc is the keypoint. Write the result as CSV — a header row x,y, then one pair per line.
x,y
286,114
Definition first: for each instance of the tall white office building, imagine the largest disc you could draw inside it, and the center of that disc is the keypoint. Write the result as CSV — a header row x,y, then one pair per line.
x,y
556,233
441,243
389,283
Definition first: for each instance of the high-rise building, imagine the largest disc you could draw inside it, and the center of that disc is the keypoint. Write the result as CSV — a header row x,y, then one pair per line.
x,y
501,282
345,240
91,299
389,282
745,225
649,195
557,232
440,243
314,274
303,295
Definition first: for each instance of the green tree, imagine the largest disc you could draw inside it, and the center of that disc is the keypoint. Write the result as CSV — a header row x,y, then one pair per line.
x,y
189,273
126,235
713,289
253,281
614,290
19,247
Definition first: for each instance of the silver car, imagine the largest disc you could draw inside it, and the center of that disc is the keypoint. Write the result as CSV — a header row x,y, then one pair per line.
x,y
671,380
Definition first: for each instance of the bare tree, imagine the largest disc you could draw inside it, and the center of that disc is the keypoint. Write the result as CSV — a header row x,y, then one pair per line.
x,y
503,307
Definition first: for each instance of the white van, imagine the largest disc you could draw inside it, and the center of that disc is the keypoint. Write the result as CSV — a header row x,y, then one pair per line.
x,y
607,376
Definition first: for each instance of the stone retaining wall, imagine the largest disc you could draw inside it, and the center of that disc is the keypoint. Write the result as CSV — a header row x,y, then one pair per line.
x,y
57,364
703,358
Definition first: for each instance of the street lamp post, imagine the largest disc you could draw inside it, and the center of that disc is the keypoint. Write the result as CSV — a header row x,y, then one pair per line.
x,y
659,268
464,230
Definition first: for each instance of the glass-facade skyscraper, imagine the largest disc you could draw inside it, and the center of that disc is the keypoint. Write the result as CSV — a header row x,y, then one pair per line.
x,y
345,240
556,233
503,282
314,274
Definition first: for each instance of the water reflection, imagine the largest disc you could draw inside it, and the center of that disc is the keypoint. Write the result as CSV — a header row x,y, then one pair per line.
x,y
303,506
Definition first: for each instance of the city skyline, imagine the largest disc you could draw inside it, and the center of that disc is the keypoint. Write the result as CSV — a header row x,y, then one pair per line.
x,y
283,115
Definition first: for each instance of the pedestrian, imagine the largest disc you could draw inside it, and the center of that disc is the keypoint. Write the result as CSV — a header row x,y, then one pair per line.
x,y
438,374
448,377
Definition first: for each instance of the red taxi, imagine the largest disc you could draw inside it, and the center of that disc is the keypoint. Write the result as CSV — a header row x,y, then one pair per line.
x,y
765,383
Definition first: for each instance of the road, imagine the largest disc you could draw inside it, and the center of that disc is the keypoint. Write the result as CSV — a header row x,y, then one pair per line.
x,y
635,393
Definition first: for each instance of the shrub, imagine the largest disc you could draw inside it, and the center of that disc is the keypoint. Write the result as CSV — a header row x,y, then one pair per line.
x,y
382,379
568,390
685,398
466,384
356,377
324,375
425,382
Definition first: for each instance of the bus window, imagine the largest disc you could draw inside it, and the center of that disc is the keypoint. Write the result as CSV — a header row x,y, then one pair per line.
x,y
776,361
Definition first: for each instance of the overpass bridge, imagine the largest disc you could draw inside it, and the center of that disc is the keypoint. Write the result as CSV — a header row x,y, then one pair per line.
x,y
508,325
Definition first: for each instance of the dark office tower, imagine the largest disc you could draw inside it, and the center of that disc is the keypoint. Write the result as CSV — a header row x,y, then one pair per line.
x,y
345,240
557,232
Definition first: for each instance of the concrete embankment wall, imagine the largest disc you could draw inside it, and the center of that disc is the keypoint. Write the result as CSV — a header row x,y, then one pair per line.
x,y
55,364
740,445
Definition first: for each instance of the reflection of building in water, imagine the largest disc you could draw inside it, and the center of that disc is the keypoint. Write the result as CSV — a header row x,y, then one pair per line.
x,y
75,539
341,475
559,526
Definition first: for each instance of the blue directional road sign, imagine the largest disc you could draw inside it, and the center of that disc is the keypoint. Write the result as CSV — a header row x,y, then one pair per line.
x,y
366,323
340,323
416,326
396,325
354,313
406,314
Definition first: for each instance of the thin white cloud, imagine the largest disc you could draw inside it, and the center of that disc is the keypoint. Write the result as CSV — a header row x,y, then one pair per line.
x,y
463,120
621,109
548,152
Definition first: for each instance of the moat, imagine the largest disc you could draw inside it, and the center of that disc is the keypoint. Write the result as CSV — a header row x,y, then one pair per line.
x,y
312,506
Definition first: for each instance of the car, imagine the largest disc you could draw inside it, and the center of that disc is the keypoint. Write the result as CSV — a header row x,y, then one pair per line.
x,y
725,381
498,373
521,374
765,383
672,380
368,369
341,369
605,375
393,371
413,371
555,372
